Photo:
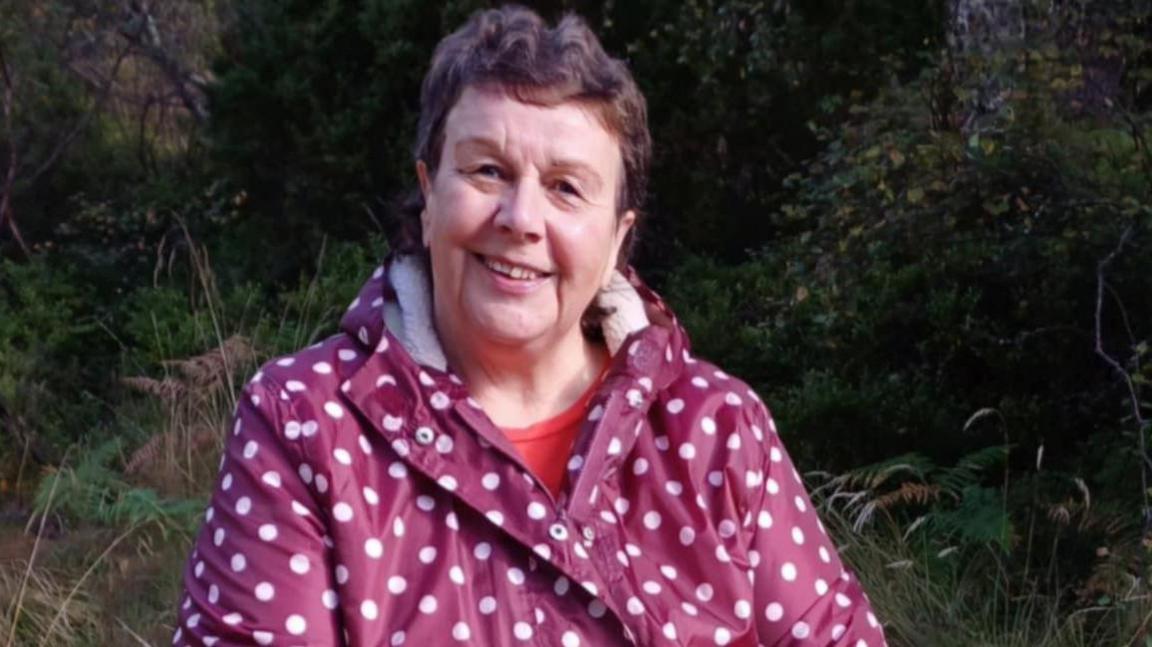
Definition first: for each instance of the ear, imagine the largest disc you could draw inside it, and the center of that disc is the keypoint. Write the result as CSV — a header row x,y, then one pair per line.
x,y
425,190
623,226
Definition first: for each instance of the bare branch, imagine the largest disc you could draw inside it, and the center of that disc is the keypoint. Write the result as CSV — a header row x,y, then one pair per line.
x,y
142,32
1134,396
6,215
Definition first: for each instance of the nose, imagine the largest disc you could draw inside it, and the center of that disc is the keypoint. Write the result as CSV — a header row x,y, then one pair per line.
x,y
521,212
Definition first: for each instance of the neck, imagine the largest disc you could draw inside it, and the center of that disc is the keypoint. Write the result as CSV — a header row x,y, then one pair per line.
x,y
519,386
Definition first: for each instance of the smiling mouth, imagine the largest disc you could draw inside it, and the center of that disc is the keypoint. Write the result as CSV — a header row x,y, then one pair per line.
x,y
515,272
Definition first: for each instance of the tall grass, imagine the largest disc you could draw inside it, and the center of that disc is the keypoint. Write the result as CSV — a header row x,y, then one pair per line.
x,y
98,559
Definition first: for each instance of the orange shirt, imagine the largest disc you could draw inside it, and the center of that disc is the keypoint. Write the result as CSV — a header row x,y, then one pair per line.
x,y
546,446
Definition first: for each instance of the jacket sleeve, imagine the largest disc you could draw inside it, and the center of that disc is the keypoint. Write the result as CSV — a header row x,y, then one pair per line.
x,y
258,574
803,593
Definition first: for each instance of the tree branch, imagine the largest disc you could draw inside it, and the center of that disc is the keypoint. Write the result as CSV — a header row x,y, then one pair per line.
x,y
1134,396
6,215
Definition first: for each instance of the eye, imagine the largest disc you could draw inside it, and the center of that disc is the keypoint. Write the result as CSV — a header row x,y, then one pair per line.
x,y
490,171
567,188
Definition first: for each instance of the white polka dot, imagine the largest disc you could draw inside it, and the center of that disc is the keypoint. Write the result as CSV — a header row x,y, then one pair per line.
x,y
392,423
561,586
342,512
213,594
342,456
368,609
398,527
370,496
427,554
341,574
708,426
838,631
743,609
690,608
797,536
675,488
323,368
715,478
439,401
788,572
675,405
821,587
652,520
639,466
456,574
669,631
425,502
772,486
321,483
329,599
428,604
299,509
444,444
727,528
397,585
764,519
536,510
374,548
722,636
218,536
596,609
687,451
295,624
800,630
448,482
774,612
575,463
232,619
262,637
843,600
668,571
334,410
461,632
309,428
704,592
299,564
634,606
490,481
265,591
483,550
239,562
722,554
487,605
496,517
516,576
522,630
800,505
570,639
250,449
243,505
687,536
295,386
398,638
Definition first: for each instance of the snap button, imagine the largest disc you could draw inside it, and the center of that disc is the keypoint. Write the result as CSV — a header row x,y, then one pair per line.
x,y
588,533
558,532
425,435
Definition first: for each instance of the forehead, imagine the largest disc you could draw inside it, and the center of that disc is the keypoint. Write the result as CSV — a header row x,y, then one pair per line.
x,y
568,130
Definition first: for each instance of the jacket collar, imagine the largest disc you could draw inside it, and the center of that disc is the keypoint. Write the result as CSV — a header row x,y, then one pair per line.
x,y
407,314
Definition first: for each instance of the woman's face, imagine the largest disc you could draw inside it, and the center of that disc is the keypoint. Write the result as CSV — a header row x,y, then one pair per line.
x,y
520,218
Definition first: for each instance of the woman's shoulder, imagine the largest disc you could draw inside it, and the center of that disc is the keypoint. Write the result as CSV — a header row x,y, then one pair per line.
x,y
705,400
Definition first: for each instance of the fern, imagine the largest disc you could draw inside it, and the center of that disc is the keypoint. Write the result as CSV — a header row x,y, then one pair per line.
x,y
94,492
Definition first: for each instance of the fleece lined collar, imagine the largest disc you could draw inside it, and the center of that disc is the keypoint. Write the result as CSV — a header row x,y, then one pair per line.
x,y
409,316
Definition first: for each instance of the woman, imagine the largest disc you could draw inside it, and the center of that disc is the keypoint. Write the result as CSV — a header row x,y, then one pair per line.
x,y
510,443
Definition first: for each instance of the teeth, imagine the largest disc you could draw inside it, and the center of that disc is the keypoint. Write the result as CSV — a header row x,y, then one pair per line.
x,y
513,271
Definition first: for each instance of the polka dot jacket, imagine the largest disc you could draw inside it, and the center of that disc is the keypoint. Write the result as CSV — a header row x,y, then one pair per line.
x,y
365,499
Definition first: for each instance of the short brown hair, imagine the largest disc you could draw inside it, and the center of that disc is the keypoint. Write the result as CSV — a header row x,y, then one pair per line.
x,y
513,49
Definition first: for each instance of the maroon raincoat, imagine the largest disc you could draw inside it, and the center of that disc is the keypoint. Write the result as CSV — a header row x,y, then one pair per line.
x,y
365,499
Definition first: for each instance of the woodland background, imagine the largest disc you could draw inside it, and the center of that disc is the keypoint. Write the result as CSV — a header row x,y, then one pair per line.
x,y
921,229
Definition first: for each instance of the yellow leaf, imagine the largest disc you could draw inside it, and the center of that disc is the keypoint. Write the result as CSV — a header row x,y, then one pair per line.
x,y
801,294
915,195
